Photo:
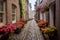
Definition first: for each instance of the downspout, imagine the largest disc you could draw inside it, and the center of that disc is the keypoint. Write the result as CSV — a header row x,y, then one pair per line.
x,y
6,13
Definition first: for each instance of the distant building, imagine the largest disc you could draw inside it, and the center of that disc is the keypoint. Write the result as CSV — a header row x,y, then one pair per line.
x,y
38,6
37,15
30,11
25,9
9,11
33,13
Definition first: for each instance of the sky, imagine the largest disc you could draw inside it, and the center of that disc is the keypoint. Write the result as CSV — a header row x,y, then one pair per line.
x,y
32,3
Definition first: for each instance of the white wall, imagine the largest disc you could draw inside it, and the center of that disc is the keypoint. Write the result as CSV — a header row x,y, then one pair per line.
x,y
30,12
51,15
43,16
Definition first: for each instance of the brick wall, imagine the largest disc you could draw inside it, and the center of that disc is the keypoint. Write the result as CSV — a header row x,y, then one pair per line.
x,y
16,2
9,10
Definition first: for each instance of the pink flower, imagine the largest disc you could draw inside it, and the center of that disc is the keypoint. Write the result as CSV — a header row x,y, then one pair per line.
x,y
11,27
8,28
1,30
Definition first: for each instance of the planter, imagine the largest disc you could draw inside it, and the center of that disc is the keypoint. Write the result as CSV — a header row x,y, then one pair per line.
x,y
17,31
53,35
4,36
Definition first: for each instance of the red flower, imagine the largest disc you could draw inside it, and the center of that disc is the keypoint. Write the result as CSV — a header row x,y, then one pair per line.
x,y
8,28
19,24
1,29
42,23
5,29
11,27
23,20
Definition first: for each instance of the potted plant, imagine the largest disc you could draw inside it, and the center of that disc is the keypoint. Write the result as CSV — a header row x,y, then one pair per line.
x,y
50,31
20,24
23,20
42,23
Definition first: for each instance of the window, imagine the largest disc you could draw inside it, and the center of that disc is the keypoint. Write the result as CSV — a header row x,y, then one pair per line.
x,y
1,6
1,17
13,12
13,16
13,9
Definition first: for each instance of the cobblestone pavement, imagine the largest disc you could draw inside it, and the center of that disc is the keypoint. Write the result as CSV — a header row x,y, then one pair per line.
x,y
30,32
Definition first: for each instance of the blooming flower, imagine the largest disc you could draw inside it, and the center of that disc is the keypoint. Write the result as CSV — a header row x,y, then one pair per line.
x,y
20,24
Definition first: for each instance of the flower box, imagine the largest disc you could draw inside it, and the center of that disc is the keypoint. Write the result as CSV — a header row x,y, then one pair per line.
x,y
18,30
51,31
20,24
4,36
42,23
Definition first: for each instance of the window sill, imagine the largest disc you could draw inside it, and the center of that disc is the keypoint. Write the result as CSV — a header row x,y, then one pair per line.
x,y
13,22
2,24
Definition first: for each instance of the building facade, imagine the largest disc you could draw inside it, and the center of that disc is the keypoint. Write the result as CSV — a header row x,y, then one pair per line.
x,y
53,14
57,20
52,11
40,13
9,11
37,10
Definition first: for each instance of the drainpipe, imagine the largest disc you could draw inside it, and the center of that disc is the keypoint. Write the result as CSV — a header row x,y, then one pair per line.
x,y
6,13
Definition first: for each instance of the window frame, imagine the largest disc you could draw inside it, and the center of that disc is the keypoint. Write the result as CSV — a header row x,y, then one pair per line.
x,y
13,13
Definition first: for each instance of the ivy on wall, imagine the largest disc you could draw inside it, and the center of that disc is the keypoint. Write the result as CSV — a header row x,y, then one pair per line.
x,y
21,3
21,8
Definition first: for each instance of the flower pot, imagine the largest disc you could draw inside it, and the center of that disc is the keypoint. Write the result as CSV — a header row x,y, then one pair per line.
x,y
53,36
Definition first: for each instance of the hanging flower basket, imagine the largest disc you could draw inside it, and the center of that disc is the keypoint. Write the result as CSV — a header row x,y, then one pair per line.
x,y
38,8
46,8
42,10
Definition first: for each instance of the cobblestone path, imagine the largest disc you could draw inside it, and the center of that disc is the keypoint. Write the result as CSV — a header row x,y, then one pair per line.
x,y
30,32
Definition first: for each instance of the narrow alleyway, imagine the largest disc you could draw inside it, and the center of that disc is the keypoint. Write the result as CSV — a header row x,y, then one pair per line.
x,y
31,32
